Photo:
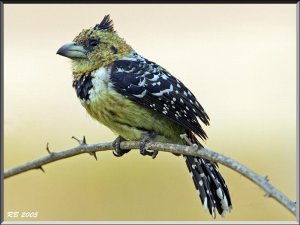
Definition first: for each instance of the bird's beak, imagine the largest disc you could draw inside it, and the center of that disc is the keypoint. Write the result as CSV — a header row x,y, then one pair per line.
x,y
72,50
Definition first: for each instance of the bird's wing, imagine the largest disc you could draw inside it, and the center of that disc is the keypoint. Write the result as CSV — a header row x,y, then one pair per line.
x,y
152,86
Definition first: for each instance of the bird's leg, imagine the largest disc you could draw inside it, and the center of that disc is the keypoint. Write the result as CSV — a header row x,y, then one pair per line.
x,y
146,138
118,151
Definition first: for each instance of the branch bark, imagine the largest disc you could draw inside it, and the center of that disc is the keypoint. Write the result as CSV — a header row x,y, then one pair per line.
x,y
261,181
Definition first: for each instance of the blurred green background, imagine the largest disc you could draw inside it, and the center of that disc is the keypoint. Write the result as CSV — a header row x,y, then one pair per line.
x,y
240,62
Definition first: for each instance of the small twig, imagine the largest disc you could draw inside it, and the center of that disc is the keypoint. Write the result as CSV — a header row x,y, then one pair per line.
x,y
185,137
157,146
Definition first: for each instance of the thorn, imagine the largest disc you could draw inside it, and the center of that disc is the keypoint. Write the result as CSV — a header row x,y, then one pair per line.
x,y
267,178
83,141
47,148
41,168
94,154
76,139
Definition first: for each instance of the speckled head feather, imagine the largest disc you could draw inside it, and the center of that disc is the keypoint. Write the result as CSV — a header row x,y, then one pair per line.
x,y
106,24
102,46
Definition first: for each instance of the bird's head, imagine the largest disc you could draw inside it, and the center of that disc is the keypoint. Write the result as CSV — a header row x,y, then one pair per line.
x,y
95,47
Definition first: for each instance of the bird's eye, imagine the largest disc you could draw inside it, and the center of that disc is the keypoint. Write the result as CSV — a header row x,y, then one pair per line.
x,y
92,43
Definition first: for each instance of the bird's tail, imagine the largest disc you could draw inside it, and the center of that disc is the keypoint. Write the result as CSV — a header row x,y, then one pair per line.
x,y
211,186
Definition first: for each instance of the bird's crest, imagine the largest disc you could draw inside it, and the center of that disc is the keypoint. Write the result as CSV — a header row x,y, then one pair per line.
x,y
106,24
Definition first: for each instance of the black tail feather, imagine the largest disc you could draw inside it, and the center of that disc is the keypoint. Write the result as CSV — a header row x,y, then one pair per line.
x,y
211,186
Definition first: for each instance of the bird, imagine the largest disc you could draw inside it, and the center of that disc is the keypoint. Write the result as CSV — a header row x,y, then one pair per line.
x,y
140,100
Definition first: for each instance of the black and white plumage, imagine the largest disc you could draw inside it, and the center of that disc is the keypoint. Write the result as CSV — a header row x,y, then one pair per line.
x,y
210,184
152,86
82,86
149,84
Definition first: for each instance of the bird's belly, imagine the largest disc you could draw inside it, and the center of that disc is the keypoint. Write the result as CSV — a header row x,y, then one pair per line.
x,y
129,119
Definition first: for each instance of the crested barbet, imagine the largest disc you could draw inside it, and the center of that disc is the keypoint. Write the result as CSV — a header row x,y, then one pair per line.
x,y
141,101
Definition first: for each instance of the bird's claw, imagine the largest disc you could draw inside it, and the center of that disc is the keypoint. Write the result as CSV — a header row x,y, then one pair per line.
x,y
118,151
143,150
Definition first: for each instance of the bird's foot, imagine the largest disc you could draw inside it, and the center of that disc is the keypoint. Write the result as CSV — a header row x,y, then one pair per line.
x,y
118,151
143,150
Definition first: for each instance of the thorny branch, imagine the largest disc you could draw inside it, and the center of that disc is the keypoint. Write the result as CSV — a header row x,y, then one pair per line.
x,y
261,181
